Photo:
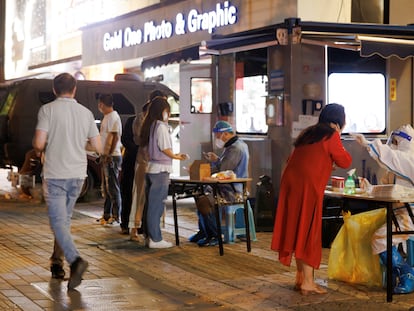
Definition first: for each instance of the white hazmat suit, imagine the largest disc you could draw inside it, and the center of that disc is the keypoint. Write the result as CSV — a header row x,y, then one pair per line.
x,y
397,156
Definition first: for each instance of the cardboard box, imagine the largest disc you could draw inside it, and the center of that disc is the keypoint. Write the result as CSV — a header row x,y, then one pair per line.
x,y
200,169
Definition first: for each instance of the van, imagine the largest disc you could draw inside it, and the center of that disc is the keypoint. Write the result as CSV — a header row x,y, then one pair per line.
x,y
20,105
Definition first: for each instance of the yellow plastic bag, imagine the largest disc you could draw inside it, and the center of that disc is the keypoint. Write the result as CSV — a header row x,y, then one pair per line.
x,y
351,258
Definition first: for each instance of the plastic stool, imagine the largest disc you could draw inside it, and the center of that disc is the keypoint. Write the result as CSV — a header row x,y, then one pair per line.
x,y
235,225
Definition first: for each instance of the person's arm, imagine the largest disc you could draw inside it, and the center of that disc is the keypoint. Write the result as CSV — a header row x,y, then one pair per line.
x,y
175,156
396,161
229,160
339,155
39,141
96,144
111,144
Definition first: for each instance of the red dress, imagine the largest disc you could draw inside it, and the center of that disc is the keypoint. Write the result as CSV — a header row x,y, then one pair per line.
x,y
298,224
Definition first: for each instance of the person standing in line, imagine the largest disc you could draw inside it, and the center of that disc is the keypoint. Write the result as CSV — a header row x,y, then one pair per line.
x,y
127,175
156,137
141,165
298,224
111,159
64,127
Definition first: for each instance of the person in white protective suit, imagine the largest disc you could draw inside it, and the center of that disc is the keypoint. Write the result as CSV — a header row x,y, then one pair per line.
x,y
397,156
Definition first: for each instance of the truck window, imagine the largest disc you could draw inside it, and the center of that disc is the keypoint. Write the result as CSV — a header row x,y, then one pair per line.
x,y
8,102
46,97
121,104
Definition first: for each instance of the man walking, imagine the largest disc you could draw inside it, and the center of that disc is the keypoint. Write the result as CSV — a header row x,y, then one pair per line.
x,y
64,127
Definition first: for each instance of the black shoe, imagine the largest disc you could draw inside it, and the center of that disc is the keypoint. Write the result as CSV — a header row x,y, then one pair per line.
x,y
124,230
77,269
57,271
196,237
208,242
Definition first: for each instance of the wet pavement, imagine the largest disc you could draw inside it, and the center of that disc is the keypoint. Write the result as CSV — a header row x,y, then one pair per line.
x,y
125,275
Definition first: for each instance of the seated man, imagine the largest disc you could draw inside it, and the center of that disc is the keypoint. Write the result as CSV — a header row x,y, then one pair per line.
x,y
398,157
235,157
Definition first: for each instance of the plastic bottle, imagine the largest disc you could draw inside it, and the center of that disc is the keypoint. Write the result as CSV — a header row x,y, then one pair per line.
x,y
350,183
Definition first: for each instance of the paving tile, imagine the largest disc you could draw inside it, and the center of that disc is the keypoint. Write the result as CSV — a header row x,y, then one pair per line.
x,y
127,276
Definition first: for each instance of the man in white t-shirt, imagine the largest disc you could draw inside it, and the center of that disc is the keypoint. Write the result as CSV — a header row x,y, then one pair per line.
x,y
111,159
63,131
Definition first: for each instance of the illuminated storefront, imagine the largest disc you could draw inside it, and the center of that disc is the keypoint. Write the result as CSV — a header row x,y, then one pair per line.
x,y
43,35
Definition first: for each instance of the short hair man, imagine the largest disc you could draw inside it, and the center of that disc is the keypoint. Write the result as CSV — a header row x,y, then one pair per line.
x,y
63,129
111,159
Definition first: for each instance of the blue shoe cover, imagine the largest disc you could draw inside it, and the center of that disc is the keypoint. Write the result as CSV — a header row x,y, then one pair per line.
x,y
406,284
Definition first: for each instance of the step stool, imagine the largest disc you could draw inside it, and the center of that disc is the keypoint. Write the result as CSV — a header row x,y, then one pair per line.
x,y
235,225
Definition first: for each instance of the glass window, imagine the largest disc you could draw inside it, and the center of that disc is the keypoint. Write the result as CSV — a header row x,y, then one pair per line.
x,y
201,95
363,96
7,102
251,93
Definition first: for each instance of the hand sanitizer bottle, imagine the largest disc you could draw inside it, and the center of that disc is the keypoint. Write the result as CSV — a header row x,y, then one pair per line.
x,y
350,183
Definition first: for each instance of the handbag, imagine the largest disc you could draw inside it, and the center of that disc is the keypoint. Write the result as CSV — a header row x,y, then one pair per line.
x,y
204,204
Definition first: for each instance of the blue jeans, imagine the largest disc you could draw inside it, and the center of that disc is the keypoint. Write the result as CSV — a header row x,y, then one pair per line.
x,y
207,224
111,188
157,192
61,196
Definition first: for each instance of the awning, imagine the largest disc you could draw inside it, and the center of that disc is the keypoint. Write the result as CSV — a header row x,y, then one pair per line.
x,y
386,47
182,55
240,42
369,39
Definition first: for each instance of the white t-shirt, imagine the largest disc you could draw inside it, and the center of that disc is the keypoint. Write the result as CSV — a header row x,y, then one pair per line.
x,y
69,125
111,123
163,139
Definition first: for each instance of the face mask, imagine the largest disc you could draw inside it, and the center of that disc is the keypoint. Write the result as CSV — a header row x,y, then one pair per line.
x,y
165,116
219,143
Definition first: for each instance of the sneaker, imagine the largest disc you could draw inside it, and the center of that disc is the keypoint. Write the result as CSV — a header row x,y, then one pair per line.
x,y
213,241
160,244
101,221
134,238
196,237
77,269
112,220
57,271
207,242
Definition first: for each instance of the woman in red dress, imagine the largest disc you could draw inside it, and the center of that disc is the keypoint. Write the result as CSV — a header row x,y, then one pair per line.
x,y
298,224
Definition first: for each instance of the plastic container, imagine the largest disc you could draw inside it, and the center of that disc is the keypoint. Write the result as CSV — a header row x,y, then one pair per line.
x,y
349,185
338,183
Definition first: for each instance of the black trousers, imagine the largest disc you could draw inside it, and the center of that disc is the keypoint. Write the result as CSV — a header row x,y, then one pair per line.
x,y
127,182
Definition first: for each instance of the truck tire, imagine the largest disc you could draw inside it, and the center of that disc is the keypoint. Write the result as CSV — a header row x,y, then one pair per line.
x,y
88,186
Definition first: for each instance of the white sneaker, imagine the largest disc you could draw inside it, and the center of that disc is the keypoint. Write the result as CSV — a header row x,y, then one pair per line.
x,y
160,244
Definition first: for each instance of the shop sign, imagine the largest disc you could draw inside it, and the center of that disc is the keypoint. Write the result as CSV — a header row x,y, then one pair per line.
x,y
224,14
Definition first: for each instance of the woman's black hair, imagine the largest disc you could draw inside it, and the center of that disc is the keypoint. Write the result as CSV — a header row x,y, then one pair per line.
x,y
330,114
154,113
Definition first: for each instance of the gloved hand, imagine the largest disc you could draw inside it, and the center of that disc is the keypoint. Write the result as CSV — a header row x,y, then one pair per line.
x,y
360,139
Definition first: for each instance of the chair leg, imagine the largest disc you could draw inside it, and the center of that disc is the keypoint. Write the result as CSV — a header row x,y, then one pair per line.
x,y
232,228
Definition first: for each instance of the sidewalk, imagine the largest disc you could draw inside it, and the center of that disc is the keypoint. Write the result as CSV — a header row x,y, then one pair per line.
x,y
124,275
